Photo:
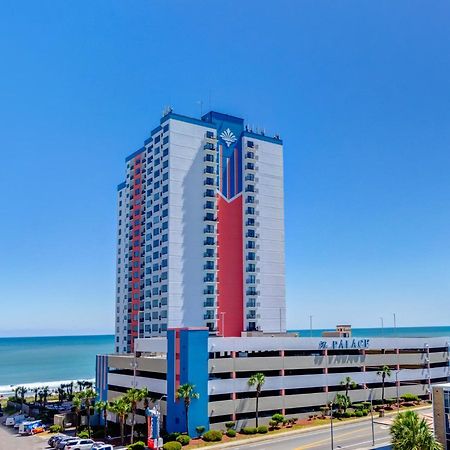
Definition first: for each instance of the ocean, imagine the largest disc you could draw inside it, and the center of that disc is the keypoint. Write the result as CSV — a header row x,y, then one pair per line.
x,y
49,361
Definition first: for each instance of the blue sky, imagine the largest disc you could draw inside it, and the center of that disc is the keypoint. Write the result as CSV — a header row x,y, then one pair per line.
x,y
359,91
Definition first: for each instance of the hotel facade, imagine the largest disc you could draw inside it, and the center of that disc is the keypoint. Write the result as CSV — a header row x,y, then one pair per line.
x,y
302,374
200,289
201,231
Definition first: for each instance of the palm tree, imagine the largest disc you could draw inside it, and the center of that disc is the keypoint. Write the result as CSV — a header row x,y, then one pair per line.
x,y
88,396
76,404
36,391
21,390
121,407
187,393
348,383
134,396
45,392
384,372
410,432
342,401
257,380
102,408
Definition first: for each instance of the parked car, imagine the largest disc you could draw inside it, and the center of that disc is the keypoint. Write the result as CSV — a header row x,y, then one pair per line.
x,y
97,445
12,420
63,442
104,447
80,444
54,438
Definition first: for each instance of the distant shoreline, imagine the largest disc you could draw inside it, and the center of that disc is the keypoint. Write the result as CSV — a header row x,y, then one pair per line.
x,y
354,329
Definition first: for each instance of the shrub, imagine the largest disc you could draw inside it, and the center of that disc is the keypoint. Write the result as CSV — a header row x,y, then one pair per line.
x,y
230,425
83,435
279,418
139,445
212,436
346,414
55,429
410,397
366,405
359,413
173,445
200,429
249,430
262,429
273,424
365,412
231,433
184,439
172,436
358,405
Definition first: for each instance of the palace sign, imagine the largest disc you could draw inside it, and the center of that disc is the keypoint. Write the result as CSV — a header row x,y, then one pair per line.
x,y
345,344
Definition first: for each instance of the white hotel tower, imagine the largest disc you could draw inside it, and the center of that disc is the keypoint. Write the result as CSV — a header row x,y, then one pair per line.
x,y
201,231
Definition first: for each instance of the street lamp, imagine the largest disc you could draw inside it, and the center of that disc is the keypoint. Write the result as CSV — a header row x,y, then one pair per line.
x,y
371,416
331,425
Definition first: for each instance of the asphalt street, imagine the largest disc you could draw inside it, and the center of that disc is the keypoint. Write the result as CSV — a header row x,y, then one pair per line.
x,y
352,436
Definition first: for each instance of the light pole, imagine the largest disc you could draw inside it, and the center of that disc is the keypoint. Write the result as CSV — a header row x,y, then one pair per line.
x,y
395,320
134,367
331,425
310,325
382,326
371,416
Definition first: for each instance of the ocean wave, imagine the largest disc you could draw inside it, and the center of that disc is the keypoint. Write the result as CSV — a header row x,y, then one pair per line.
x,y
53,385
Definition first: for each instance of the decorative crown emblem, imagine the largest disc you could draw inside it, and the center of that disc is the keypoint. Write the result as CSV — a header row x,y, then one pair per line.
x,y
228,137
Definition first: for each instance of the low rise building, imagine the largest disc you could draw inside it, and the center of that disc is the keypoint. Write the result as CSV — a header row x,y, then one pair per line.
x,y
301,374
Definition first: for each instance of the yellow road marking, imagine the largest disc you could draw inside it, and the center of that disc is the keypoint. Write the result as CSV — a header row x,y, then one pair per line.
x,y
323,441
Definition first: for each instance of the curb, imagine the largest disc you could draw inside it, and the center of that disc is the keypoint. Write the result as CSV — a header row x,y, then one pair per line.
x,y
301,431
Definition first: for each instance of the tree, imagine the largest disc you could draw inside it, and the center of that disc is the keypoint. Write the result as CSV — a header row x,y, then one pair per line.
x,y
88,397
45,392
257,380
384,372
348,383
36,391
21,391
121,407
410,432
76,405
61,393
102,408
342,401
134,396
186,392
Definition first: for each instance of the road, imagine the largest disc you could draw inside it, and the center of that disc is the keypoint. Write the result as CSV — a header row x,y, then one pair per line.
x,y
351,436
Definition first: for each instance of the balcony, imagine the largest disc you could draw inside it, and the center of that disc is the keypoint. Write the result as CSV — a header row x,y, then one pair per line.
x,y
209,316
250,167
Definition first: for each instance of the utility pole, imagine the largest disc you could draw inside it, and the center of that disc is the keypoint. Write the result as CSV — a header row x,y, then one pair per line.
x,y
331,425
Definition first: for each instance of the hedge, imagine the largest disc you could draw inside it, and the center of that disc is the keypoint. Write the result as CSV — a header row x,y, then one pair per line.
x,y
262,429
139,445
212,436
173,445
184,439
231,433
249,430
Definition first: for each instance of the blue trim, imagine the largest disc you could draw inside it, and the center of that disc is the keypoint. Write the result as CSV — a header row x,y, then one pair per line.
x,y
263,138
214,116
156,130
186,119
148,141
133,155
121,186
193,369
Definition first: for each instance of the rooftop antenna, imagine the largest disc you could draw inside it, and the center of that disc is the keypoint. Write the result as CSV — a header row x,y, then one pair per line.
x,y
200,102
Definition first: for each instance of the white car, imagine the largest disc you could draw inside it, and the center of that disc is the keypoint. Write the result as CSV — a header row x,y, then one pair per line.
x,y
104,447
81,444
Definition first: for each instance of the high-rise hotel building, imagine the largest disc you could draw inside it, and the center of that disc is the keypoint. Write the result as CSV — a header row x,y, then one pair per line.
x,y
201,231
